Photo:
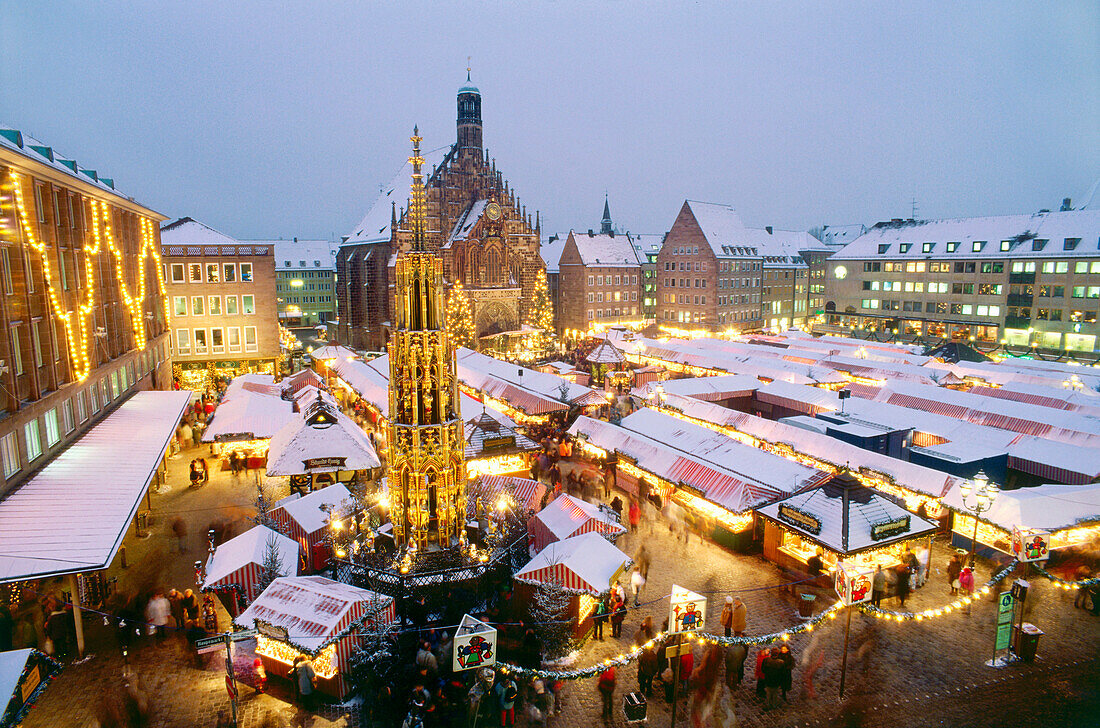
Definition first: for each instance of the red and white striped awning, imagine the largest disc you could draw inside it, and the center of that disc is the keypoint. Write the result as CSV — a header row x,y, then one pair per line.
x,y
763,395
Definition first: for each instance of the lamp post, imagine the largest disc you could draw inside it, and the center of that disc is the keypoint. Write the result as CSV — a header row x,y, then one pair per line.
x,y
984,492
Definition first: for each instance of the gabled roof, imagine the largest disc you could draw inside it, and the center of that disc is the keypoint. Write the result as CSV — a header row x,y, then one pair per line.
x,y
375,225
295,255
188,231
610,250
837,236
720,223
585,563
250,548
466,222
728,236
550,250
307,512
339,437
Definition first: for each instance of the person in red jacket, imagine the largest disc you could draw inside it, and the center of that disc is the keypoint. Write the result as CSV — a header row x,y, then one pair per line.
x,y
606,686
761,655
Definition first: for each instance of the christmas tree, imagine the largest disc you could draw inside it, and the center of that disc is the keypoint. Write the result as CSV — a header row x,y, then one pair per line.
x,y
541,314
460,318
550,613
272,567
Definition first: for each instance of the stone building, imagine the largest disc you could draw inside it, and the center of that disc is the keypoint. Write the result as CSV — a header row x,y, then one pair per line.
x,y
222,298
476,222
305,280
82,303
599,281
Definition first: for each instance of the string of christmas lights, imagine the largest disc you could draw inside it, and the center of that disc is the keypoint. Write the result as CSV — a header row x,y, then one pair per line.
x,y
1066,584
940,611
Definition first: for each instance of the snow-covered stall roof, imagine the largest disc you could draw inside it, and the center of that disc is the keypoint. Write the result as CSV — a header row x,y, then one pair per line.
x,y
332,351
300,380
251,408
872,521
525,493
307,510
566,515
322,439
605,353
57,523
13,663
532,392
310,608
587,563
484,427
248,548
1044,507
710,389
1082,401
714,356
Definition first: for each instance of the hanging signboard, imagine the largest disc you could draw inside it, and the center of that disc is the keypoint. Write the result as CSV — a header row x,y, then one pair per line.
x,y
853,583
1028,545
687,610
887,529
800,518
328,462
475,645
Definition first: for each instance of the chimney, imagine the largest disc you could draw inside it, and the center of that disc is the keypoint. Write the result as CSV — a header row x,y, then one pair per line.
x,y
295,239
612,233
590,233
768,228
1067,204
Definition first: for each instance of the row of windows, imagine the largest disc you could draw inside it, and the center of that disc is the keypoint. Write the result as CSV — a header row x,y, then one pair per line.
x,y
39,335
619,280
314,299
737,282
212,305
612,312
941,307
64,418
215,340
919,286
1020,266
298,285
210,272
302,264
738,316
700,265
685,299
739,300
618,296
726,266
685,283
978,245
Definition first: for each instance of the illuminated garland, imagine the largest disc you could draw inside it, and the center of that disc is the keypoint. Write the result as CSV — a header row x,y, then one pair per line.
x,y
1065,584
345,632
76,325
939,611
53,669
663,639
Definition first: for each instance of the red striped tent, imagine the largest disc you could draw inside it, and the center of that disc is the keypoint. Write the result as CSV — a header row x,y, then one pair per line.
x,y
526,494
239,561
586,564
303,519
315,612
567,516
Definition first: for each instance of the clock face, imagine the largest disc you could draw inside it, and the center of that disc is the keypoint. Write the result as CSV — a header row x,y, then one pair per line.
x,y
492,211
840,272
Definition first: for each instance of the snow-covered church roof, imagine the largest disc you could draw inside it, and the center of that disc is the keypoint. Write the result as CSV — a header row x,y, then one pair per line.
x,y
375,225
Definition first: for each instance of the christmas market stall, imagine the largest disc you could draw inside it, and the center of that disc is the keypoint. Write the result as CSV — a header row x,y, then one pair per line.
x,y
567,516
318,618
321,446
24,676
842,519
494,448
585,566
251,411
523,494
236,570
306,520
1066,516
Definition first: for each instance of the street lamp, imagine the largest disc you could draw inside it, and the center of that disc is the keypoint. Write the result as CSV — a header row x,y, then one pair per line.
x,y
984,492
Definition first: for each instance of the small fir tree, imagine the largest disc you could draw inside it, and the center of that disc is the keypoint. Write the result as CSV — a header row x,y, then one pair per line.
x,y
460,318
550,613
541,314
272,566
263,507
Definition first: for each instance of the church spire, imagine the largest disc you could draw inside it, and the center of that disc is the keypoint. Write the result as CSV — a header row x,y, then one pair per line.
x,y
416,202
605,223
469,118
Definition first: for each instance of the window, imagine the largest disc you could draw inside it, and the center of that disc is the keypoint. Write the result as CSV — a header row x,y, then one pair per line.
x,y
1094,266
81,407
183,341
1081,266
977,246
1070,243
592,279
990,289
1037,245
93,398
246,272
198,306
217,341
248,305
589,314
599,280
175,272
618,280
1094,292
591,297
1058,292
213,273
116,388
633,280
904,247
952,247
927,247
9,453
1006,245
599,297
7,271
53,435
215,303
250,339
233,333
194,273
33,439
200,341
179,305
16,351
882,248
995,267
229,272
231,306
36,342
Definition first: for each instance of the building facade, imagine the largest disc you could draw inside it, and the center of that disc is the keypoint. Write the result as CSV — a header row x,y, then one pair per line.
x,y
222,298
83,308
305,280
600,281
1024,280
475,221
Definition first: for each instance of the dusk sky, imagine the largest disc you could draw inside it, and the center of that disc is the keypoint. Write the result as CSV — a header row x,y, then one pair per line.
x,y
271,120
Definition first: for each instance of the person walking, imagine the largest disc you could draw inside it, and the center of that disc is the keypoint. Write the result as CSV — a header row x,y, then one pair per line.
x,y
307,678
735,664
740,617
618,614
179,530
647,669
634,515
878,586
772,667
726,618
599,618
761,655
787,673
902,585
641,560
175,605
261,675
1083,573
606,686
507,692
954,568
909,559
157,613
637,584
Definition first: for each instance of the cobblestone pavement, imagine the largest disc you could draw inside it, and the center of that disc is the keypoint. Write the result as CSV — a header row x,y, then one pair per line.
x,y
899,674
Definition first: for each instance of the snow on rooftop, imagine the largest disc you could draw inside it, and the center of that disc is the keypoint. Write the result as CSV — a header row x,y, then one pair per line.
x,y
311,608
551,250
299,441
56,523
302,255
188,231
590,557
466,222
565,514
605,250
251,548
720,224
1045,507
308,512
375,225
251,408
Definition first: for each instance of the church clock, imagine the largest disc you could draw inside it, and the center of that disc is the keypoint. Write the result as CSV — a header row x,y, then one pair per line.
x,y
493,211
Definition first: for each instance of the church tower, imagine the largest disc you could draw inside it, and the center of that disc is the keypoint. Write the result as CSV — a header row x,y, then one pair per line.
x,y
605,223
427,470
469,118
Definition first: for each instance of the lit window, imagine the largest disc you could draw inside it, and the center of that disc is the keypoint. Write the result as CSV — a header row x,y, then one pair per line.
x,y
179,305
183,341
198,306
33,439
53,435
213,273
250,339
248,305
215,303
246,272
200,341
9,453
194,272
230,305
229,272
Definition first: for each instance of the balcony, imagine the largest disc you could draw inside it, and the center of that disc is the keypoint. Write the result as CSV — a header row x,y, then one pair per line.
x,y
1021,277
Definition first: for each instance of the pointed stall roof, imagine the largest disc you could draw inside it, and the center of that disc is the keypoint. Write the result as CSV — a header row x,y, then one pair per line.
x,y
250,547
605,353
334,445
585,564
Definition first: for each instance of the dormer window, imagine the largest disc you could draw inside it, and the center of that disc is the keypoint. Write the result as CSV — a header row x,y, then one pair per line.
x,y
952,247
928,247
883,248
977,246
904,247
1071,243
1037,244
1006,245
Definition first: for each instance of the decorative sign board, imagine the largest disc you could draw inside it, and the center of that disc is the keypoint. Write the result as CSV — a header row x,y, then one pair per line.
x,y
800,518
329,462
687,611
273,631
853,583
493,443
1028,545
889,529
475,645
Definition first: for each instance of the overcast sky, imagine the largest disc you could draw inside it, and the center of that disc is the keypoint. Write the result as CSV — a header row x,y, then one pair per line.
x,y
271,119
